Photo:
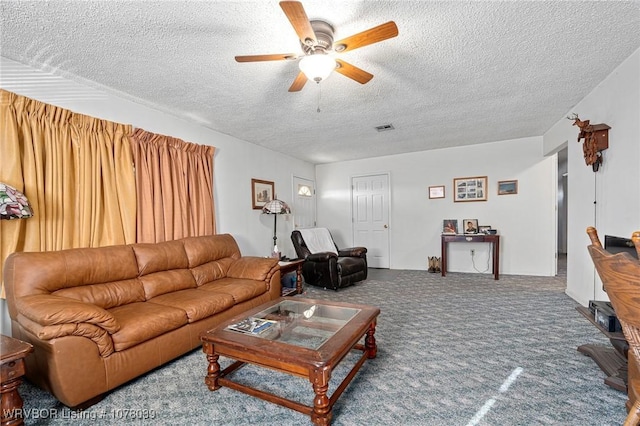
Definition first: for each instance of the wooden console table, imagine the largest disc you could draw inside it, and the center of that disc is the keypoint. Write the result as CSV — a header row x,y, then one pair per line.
x,y
473,238
290,266
612,361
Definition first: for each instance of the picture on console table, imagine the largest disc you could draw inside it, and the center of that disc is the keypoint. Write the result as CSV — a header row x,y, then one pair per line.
x,y
484,229
470,189
450,226
470,226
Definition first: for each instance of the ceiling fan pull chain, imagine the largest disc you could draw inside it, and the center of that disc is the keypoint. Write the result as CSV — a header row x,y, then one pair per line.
x,y
319,95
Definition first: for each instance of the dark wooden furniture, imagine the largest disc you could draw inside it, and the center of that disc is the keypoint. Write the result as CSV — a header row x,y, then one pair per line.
x,y
310,339
12,354
611,360
620,275
471,238
290,266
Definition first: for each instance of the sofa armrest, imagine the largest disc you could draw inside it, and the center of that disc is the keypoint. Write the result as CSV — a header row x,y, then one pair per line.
x,y
48,310
253,268
352,252
321,257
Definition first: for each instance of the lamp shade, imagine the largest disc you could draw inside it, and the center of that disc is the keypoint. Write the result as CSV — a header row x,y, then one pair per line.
x,y
317,67
276,207
13,203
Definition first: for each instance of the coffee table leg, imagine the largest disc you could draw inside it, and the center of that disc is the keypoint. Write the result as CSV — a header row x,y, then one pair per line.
x,y
370,341
213,370
321,414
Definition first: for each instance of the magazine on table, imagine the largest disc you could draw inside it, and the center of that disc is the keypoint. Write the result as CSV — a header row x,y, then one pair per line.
x,y
252,325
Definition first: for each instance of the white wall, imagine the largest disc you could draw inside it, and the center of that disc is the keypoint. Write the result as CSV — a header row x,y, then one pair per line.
x,y
235,163
526,221
615,188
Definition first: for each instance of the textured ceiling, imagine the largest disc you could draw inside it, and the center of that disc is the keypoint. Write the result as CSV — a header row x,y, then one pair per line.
x,y
458,73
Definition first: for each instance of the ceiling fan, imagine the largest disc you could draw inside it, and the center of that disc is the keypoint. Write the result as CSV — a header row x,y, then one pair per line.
x,y
316,39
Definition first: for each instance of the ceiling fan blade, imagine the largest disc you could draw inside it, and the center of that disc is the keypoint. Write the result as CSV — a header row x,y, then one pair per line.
x,y
353,72
259,58
365,38
298,18
298,83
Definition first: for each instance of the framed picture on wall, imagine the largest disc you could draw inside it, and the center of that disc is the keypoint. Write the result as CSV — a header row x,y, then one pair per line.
x,y
470,189
436,191
507,187
261,193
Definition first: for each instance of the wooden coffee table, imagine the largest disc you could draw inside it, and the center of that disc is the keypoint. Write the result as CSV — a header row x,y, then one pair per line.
x,y
308,338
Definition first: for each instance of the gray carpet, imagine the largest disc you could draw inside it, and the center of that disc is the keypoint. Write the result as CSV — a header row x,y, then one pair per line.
x,y
459,350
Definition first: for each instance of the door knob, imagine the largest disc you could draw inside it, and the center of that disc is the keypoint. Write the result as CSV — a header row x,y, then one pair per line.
x,y
385,226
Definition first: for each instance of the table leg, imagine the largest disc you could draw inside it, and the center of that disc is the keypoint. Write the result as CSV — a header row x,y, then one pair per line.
x,y
11,403
443,258
321,414
213,369
370,341
299,278
496,259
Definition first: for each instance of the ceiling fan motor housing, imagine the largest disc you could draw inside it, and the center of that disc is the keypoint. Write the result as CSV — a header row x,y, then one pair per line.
x,y
324,36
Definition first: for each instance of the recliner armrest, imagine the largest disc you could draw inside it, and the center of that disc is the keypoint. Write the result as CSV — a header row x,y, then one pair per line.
x,y
321,257
352,252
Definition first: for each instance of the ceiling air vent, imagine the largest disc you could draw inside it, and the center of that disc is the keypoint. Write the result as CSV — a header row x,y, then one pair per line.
x,y
384,127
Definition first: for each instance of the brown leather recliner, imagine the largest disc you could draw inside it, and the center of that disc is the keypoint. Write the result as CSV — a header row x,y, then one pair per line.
x,y
331,270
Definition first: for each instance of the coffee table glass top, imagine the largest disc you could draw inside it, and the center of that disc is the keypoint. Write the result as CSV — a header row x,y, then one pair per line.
x,y
296,323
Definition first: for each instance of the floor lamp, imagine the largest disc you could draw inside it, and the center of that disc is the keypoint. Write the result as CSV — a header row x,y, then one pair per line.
x,y
275,207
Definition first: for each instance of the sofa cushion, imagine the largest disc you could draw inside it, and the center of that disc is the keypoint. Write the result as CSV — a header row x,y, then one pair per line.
x,y
196,303
107,295
239,289
142,321
155,257
201,250
166,282
253,268
211,271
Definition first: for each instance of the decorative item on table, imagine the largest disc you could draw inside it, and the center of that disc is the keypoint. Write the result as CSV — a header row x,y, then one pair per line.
x,y
450,226
470,189
492,231
13,203
483,229
470,226
275,207
507,187
252,326
436,191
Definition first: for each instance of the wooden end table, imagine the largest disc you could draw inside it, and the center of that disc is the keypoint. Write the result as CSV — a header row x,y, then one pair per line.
x,y
308,338
290,266
12,355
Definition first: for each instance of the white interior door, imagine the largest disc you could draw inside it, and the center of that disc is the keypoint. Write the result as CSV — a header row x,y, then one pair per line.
x,y
304,203
370,210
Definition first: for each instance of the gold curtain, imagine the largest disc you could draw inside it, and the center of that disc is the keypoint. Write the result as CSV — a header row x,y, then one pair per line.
x,y
174,184
76,171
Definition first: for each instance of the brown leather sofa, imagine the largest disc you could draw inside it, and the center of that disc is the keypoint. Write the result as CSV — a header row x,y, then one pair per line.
x,y
99,317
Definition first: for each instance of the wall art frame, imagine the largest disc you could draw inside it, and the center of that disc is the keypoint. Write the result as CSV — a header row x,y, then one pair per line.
x,y
436,191
467,189
262,191
507,187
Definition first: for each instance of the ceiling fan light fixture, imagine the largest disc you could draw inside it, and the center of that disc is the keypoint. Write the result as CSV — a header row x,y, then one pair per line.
x,y
317,67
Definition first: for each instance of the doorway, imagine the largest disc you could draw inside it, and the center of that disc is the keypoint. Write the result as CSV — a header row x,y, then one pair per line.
x,y
370,217
304,203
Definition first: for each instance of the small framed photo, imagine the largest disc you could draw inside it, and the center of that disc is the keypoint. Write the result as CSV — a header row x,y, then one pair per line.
x,y
470,189
436,191
507,187
484,229
450,226
261,193
470,226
